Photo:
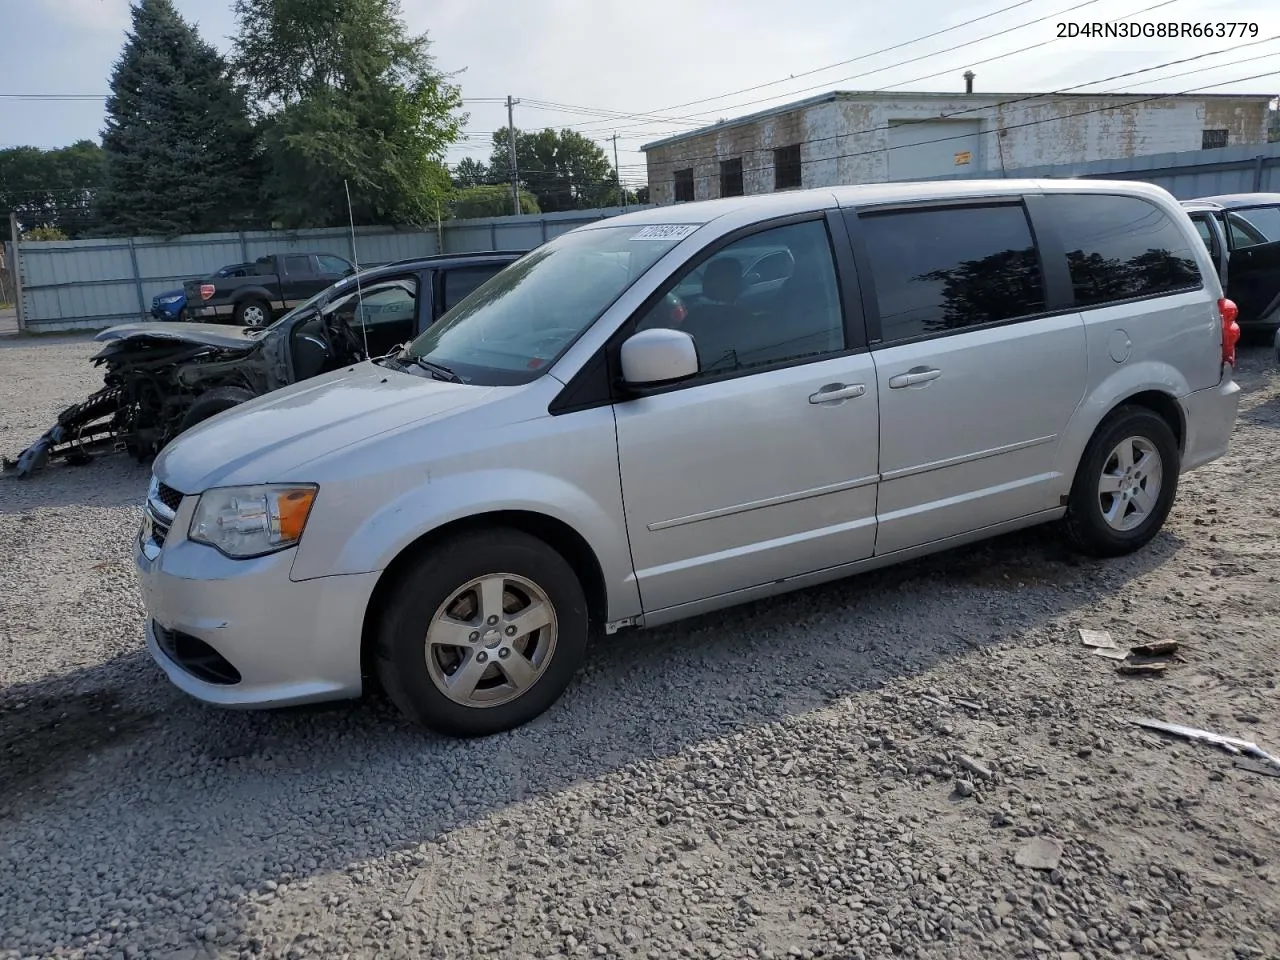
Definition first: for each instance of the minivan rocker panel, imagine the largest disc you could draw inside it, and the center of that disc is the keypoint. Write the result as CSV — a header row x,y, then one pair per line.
x,y
857,376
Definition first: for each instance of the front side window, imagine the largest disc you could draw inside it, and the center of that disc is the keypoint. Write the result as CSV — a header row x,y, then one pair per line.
x,y
767,299
1119,248
515,325
334,265
950,268
1254,225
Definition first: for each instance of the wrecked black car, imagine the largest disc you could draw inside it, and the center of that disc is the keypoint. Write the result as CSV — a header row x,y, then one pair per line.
x,y
163,378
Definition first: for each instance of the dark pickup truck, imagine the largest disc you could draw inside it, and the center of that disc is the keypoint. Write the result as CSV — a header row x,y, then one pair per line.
x,y
276,284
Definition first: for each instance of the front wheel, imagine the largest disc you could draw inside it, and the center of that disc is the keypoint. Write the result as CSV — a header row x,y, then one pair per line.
x,y
482,634
1125,485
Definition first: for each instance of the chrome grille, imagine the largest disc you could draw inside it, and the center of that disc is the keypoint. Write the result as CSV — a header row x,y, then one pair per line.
x,y
161,508
170,497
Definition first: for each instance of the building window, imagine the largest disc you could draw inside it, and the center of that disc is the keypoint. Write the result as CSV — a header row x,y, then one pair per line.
x,y
684,186
731,178
786,167
1212,139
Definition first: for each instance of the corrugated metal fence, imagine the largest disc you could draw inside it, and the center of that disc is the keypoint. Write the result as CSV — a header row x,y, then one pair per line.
x,y
95,283
77,284
1252,168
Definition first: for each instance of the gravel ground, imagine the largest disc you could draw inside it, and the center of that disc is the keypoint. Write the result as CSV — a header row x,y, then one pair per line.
x,y
851,771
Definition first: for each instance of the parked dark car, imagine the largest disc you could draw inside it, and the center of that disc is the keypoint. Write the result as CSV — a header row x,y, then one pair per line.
x,y
1242,232
163,378
172,304
275,284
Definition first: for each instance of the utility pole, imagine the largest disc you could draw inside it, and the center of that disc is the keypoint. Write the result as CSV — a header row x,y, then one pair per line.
x,y
511,148
617,174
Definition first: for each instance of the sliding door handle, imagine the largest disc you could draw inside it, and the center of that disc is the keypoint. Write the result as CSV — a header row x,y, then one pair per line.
x,y
912,377
832,392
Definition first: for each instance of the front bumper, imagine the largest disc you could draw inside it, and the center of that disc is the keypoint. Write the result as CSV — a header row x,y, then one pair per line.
x,y
288,642
1210,416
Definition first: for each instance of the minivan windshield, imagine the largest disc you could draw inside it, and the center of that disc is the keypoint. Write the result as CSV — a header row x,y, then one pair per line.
x,y
515,325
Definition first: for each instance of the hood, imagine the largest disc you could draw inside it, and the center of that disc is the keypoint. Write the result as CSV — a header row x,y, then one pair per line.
x,y
269,438
203,334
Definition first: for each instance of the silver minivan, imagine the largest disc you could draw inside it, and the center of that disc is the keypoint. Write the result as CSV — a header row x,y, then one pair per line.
x,y
676,410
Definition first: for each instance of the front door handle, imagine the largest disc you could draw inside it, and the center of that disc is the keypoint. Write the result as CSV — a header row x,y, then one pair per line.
x,y
837,391
913,376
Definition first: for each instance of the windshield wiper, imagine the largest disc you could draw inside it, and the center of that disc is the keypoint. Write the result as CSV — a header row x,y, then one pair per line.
x,y
437,370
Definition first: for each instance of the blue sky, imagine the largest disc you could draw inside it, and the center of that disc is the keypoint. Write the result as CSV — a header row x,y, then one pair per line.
x,y
592,57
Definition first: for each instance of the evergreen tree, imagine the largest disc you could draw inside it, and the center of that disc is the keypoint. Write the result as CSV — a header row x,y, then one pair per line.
x,y
180,149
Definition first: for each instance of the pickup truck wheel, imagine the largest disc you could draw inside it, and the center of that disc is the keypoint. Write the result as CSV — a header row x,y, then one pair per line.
x,y
213,402
253,313
1125,485
482,634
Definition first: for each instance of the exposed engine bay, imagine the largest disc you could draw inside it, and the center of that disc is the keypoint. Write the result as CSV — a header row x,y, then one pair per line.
x,y
147,398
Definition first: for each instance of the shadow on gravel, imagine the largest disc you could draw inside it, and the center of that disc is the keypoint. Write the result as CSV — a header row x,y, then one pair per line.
x,y
110,480
292,794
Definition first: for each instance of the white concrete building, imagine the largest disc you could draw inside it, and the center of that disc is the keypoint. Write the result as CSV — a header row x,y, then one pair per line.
x,y
849,137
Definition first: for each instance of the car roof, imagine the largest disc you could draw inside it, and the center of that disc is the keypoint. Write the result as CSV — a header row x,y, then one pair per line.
x,y
785,202
1229,201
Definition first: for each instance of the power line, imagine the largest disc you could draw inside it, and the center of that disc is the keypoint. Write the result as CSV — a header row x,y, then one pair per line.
x,y
1035,96
867,73
843,63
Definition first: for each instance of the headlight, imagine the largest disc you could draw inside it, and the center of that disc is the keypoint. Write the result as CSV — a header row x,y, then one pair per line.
x,y
247,522
170,299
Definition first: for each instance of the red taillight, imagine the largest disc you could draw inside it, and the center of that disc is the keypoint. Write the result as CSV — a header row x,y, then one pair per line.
x,y
1230,329
206,291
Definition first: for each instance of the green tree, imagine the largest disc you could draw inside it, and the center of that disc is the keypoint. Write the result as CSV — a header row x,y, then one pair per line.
x,y
347,94
470,172
490,200
564,170
179,146
51,188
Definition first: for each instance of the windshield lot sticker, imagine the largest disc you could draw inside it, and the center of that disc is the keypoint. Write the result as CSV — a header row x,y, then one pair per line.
x,y
666,231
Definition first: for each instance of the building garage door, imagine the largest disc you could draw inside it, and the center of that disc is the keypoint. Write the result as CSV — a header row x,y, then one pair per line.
x,y
934,148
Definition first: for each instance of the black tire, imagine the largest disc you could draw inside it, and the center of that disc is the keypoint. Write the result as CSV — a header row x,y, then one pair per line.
x,y
1086,525
250,306
213,402
423,589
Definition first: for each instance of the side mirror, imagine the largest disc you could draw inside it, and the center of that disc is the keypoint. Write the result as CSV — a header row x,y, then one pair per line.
x,y
658,357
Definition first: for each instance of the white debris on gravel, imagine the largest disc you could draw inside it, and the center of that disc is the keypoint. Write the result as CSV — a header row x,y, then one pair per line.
x,y
846,772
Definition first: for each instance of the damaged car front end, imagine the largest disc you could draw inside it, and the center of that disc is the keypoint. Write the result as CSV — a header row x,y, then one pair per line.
x,y
163,378
159,379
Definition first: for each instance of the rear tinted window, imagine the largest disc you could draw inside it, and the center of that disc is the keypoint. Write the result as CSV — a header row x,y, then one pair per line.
x,y
297,265
951,268
1121,247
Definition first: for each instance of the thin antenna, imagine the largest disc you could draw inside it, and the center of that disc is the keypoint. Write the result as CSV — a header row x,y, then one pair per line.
x,y
355,257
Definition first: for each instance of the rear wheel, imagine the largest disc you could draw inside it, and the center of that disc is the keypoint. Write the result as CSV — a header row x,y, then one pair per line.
x,y
1125,485
482,634
253,313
